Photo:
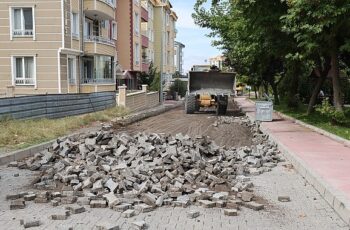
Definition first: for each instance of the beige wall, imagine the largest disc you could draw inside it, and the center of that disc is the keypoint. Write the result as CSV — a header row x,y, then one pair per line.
x,y
123,41
141,100
45,46
47,40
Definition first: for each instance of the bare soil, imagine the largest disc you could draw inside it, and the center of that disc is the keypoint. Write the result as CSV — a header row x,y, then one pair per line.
x,y
176,121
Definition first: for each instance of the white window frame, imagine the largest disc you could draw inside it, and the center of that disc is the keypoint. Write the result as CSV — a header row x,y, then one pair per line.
x,y
11,14
14,73
74,58
137,53
137,23
114,30
75,35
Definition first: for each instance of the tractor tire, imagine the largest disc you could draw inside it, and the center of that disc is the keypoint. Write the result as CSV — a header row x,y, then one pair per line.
x,y
190,105
221,108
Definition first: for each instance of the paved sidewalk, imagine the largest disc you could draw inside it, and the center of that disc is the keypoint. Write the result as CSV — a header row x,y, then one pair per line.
x,y
326,160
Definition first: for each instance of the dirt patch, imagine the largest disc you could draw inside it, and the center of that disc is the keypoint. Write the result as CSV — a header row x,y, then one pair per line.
x,y
176,121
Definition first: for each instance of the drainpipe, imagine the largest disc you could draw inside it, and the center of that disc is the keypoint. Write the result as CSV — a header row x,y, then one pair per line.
x,y
82,23
161,59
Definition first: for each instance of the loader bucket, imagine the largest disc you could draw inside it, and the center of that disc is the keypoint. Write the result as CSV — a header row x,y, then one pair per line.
x,y
211,81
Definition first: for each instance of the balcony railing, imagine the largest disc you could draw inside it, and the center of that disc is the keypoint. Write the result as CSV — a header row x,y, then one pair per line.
x,y
22,32
25,81
111,3
99,39
98,81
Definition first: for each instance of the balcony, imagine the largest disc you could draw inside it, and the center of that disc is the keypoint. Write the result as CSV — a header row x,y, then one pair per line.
x,y
144,14
144,41
145,64
99,45
100,9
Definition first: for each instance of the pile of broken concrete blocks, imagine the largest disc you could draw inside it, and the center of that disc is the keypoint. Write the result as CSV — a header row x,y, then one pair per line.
x,y
138,173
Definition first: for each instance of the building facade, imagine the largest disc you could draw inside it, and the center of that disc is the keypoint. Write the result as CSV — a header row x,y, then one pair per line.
x,y
164,40
146,35
217,61
178,58
57,47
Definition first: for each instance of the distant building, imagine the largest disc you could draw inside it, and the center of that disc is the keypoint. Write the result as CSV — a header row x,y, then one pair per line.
x,y
179,47
217,61
201,68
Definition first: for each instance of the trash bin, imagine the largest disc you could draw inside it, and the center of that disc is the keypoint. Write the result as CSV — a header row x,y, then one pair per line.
x,y
263,110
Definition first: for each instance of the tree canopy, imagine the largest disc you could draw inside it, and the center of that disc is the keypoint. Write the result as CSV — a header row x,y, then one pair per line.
x,y
274,41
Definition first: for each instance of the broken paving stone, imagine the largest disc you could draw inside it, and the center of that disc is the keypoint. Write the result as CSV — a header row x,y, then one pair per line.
x,y
55,203
59,217
153,169
193,214
106,226
13,196
29,197
128,213
143,208
207,203
76,209
31,223
253,205
111,199
247,196
284,198
122,207
230,212
17,204
140,225
69,200
98,204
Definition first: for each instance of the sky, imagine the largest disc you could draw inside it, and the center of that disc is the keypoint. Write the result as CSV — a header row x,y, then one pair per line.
x,y
198,46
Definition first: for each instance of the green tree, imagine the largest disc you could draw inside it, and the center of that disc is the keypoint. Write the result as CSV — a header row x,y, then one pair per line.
x,y
250,33
179,86
321,26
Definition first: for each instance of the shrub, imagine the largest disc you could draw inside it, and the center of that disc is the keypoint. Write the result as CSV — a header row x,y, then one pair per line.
x,y
326,109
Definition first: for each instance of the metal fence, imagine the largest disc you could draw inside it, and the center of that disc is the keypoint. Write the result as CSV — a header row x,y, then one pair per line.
x,y
55,105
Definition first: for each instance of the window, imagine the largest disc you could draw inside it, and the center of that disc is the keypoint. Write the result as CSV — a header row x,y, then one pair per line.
x,y
137,54
114,30
72,71
98,69
24,70
22,22
75,25
137,23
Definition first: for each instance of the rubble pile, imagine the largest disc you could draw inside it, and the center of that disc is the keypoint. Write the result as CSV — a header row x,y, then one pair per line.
x,y
133,174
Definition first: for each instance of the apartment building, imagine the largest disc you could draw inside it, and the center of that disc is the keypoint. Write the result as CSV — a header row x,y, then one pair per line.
x,y
131,41
217,61
178,58
57,47
164,34
146,35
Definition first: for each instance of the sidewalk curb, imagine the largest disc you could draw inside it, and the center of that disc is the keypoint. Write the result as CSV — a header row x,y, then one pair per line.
x,y
314,128
335,198
139,116
341,140
6,158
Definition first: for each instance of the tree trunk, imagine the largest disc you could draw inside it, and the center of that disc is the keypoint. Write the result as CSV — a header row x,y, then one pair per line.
x,y
255,91
275,93
315,93
337,92
292,100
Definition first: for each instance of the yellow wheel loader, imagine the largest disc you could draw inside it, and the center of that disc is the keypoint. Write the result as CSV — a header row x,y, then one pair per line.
x,y
209,89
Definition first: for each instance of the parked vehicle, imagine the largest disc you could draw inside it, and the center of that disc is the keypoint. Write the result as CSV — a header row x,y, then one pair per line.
x,y
209,89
